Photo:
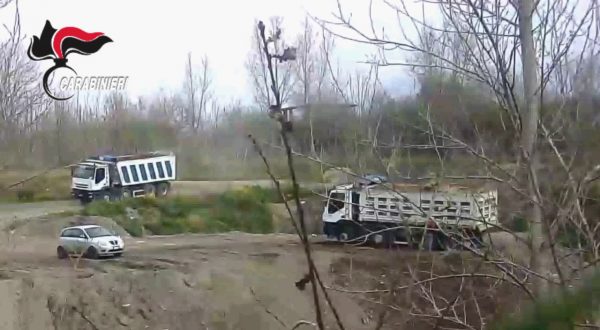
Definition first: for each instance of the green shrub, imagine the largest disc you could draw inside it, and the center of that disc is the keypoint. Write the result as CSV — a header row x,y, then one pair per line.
x,y
134,227
244,210
519,224
105,209
25,195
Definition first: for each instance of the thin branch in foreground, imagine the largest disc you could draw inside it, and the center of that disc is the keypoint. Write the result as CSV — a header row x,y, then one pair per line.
x,y
275,111
267,310
297,230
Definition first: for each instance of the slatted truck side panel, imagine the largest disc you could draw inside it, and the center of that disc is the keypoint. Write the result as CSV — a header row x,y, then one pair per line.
x,y
401,214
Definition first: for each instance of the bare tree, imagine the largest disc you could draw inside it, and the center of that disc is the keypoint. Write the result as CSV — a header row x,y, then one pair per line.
x,y
258,70
4,3
22,101
479,41
198,94
305,71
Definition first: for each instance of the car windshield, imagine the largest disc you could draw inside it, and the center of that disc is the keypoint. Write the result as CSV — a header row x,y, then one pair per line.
x,y
97,232
83,172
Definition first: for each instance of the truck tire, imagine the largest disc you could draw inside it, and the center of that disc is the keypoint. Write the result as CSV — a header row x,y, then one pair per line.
x,y
106,197
477,240
384,237
149,190
125,193
389,239
347,232
162,189
431,241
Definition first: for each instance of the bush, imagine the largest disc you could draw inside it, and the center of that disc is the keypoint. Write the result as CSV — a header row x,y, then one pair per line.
x,y
105,209
519,224
134,227
243,210
25,195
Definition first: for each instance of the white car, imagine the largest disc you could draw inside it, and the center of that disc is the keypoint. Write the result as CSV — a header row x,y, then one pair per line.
x,y
91,240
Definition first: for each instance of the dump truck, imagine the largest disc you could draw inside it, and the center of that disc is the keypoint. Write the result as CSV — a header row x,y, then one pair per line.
x,y
432,217
110,178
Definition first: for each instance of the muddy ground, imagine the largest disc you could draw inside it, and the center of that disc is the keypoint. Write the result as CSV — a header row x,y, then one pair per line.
x,y
222,281
229,281
226,281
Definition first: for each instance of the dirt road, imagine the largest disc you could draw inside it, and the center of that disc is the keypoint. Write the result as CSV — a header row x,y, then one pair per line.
x,y
226,281
18,211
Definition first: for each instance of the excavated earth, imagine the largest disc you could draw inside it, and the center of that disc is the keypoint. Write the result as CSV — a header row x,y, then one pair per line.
x,y
221,281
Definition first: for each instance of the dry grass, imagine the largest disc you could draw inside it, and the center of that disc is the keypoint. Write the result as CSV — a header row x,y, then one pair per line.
x,y
53,185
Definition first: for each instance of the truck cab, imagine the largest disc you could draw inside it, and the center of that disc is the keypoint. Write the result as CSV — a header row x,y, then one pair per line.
x,y
89,179
342,205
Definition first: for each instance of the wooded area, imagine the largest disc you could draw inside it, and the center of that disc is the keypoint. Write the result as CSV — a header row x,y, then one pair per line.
x,y
508,93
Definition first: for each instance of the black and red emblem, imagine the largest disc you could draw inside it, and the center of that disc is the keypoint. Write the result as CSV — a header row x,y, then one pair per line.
x,y
57,44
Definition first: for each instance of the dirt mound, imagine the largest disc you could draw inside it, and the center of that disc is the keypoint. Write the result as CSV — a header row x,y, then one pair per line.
x,y
50,226
416,299
221,282
115,300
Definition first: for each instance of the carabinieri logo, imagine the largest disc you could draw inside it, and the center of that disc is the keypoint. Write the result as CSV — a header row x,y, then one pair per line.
x,y
58,44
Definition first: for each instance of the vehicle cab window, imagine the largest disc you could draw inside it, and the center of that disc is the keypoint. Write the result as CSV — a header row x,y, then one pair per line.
x,y
67,233
100,175
78,233
336,202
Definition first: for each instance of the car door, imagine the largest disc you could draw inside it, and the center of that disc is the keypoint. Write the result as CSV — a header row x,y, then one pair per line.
x,y
80,241
67,240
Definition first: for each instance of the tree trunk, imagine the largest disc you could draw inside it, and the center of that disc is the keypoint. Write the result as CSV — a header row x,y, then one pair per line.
x,y
529,129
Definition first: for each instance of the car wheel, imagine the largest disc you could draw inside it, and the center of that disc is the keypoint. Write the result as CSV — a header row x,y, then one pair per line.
x,y
162,189
106,197
61,252
91,253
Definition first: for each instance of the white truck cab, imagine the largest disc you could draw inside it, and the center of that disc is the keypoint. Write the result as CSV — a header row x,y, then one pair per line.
x,y
114,177
90,176
337,208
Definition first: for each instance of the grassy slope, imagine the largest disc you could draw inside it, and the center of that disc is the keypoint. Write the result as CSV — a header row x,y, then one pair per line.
x,y
246,209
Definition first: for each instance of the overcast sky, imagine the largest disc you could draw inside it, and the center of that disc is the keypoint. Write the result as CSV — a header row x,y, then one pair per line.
x,y
152,38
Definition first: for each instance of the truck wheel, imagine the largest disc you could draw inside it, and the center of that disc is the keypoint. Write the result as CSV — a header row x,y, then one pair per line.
x,y
149,190
448,243
162,189
431,241
384,237
125,194
347,232
389,239
377,238
477,240
106,197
